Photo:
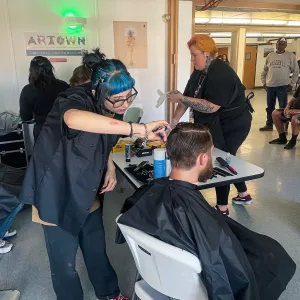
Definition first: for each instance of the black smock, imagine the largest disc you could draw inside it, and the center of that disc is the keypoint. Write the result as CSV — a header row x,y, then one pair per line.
x,y
36,103
67,165
231,124
237,263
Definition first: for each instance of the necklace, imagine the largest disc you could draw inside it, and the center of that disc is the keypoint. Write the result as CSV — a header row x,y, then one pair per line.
x,y
199,85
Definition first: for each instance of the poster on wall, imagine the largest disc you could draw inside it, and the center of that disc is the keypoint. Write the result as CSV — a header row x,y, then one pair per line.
x,y
130,41
59,44
267,51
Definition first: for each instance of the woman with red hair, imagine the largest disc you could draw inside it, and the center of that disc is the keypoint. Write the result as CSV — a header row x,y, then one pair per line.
x,y
217,97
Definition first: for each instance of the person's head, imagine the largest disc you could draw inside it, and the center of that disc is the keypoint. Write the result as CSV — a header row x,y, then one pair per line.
x,y
281,45
113,86
41,72
203,49
225,58
220,57
189,148
81,75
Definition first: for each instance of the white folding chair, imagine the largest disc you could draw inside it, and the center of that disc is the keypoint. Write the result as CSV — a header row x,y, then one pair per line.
x,y
9,295
133,114
166,271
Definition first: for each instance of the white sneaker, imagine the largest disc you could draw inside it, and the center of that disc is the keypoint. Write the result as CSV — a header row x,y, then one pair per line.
x,y
5,246
9,234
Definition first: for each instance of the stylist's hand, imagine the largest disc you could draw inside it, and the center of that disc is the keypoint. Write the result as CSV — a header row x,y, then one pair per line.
x,y
110,181
155,136
174,96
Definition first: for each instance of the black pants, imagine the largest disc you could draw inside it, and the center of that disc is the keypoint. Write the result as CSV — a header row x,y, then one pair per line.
x,y
62,248
234,136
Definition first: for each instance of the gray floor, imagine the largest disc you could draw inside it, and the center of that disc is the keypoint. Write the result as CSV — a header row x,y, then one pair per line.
x,y
275,212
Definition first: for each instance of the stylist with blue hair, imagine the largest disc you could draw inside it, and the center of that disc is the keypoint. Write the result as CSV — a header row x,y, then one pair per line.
x,y
69,161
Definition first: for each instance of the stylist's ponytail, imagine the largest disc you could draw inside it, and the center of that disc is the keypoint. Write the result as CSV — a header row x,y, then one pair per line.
x,y
94,60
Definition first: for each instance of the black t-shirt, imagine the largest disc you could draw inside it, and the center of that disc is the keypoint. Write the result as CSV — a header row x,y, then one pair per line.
x,y
37,102
221,86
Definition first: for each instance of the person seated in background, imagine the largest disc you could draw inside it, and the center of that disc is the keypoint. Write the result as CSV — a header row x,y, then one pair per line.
x,y
237,263
37,97
81,75
282,116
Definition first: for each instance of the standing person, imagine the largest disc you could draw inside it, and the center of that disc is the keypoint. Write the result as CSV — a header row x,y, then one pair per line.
x,y
225,59
81,75
276,79
65,171
37,97
217,97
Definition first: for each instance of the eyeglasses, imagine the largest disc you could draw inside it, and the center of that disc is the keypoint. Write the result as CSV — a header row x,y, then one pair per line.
x,y
118,102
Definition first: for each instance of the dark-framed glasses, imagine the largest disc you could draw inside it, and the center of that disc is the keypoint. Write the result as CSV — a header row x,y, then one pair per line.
x,y
118,102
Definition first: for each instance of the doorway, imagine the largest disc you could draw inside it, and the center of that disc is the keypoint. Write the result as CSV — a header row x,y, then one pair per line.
x,y
250,67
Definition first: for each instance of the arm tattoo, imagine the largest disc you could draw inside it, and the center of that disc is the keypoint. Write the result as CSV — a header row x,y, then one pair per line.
x,y
198,105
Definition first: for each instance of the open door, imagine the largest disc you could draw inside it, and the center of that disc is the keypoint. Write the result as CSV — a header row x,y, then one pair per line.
x,y
250,67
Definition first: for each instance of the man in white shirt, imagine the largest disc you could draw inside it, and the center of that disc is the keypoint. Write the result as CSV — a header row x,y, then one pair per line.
x,y
276,79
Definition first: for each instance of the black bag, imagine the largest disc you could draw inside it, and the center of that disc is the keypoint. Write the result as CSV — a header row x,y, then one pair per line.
x,y
11,180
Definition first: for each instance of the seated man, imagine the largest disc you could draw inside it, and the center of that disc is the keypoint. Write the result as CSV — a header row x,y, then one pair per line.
x,y
237,263
282,116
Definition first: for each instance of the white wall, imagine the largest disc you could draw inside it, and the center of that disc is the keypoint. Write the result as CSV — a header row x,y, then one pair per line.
x,y
36,16
155,76
184,57
17,17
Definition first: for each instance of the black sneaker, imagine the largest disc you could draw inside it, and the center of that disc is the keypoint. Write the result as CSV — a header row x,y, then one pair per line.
x,y
278,141
266,128
290,145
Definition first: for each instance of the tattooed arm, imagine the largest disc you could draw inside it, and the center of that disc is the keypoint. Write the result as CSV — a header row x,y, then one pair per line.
x,y
200,105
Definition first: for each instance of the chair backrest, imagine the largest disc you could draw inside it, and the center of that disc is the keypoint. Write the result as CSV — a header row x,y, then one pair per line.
x,y
168,269
133,114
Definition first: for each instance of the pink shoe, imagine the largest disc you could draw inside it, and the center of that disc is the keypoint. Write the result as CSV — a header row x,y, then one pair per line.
x,y
225,212
242,200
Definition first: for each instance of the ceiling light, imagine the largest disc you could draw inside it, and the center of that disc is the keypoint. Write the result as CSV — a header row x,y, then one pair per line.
x,y
268,22
201,20
253,34
220,34
229,21
293,23
272,34
293,35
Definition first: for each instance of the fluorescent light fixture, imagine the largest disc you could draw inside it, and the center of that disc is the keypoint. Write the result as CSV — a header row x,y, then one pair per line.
x,y
292,35
268,22
272,34
229,21
201,20
220,34
293,23
253,34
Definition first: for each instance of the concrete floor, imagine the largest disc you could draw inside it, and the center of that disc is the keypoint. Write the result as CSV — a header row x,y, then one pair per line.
x,y
274,212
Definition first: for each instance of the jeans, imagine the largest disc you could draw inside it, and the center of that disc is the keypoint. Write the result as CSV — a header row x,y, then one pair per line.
x,y
62,248
272,93
4,227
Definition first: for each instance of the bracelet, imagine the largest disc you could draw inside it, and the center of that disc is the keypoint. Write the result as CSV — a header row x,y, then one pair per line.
x,y
146,133
131,130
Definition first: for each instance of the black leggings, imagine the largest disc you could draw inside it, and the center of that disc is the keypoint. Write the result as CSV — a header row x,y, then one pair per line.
x,y
62,248
234,138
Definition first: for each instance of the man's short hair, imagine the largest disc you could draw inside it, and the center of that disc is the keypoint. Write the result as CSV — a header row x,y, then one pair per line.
x,y
186,142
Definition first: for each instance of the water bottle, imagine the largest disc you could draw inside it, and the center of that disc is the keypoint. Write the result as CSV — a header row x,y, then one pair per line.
x,y
168,166
159,164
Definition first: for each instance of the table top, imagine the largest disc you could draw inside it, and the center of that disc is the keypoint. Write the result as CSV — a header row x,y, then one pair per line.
x,y
246,171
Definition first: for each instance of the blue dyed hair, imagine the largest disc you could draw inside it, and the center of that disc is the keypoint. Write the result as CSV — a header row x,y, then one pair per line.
x,y
109,76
